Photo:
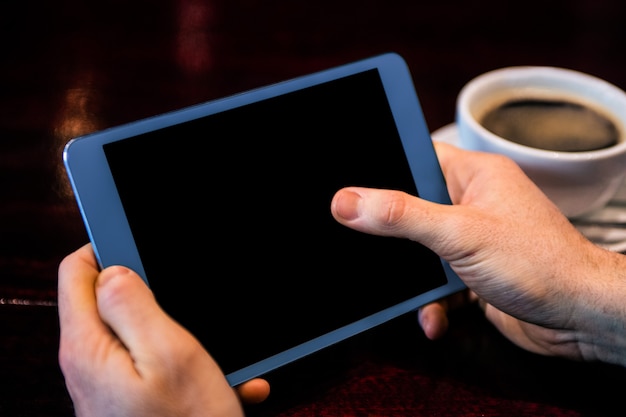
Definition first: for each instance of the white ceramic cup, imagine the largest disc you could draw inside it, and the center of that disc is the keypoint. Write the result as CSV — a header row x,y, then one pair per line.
x,y
577,182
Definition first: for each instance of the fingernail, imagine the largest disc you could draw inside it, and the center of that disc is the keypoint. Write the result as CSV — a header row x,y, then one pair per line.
x,y
347,205
422,319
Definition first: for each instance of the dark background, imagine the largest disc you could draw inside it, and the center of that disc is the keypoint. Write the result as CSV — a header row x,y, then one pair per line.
x,y
70,67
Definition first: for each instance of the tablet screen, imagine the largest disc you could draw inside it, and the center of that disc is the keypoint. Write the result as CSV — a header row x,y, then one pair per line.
x,y
249,237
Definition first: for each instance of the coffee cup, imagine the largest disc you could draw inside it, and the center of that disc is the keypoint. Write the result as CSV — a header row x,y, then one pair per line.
x,y
564,128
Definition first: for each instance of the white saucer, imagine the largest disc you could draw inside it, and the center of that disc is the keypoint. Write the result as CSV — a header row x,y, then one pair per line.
x,y
605,227
447,134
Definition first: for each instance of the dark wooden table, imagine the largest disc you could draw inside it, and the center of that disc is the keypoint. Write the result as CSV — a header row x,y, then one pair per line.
x,y
71,67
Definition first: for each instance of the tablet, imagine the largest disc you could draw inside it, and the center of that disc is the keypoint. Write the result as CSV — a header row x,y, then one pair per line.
x,y
223,208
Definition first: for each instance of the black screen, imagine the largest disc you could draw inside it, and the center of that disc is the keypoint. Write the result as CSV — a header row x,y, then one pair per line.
x,y
231,217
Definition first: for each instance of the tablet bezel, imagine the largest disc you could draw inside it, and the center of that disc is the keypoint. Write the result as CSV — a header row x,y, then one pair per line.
x,y
112,239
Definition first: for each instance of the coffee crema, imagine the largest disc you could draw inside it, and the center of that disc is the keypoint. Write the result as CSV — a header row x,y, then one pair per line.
x,y
554,125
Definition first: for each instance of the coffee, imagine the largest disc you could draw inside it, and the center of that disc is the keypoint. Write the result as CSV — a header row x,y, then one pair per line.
x,y
553,125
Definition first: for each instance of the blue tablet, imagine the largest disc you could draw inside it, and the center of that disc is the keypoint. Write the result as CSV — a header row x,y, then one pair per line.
x,y
224,209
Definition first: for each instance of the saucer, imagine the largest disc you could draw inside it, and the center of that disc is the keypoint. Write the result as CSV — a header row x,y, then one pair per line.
x,y
605,227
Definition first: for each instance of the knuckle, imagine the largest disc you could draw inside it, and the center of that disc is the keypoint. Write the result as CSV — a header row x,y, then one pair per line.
x,y
396,207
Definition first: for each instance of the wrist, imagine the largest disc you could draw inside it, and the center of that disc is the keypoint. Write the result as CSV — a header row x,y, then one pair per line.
x,y
601,308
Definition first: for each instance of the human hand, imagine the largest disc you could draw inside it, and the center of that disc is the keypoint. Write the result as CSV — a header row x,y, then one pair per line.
x,y
121,355
541,283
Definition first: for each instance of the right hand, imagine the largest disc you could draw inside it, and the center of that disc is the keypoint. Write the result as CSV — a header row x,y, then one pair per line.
x,y
542,284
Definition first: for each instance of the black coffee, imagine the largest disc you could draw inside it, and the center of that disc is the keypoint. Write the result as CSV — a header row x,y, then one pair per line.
x,y
552,125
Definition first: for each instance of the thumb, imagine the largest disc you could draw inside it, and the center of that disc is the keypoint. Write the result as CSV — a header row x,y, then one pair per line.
x,y
128,306
394,213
